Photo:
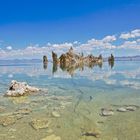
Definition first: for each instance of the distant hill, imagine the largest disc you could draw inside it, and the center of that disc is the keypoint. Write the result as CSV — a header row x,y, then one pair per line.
x,y
19,62
33,61
128,58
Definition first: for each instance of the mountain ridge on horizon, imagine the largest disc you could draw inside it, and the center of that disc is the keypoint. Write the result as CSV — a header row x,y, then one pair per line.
x,y
40,60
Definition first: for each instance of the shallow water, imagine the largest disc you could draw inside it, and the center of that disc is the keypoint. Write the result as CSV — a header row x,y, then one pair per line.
x,y
77,98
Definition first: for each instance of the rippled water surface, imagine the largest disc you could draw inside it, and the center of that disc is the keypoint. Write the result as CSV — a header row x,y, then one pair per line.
x,y
69,107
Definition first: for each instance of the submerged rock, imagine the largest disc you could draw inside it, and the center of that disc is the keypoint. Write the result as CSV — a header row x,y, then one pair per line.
x,y
100,122
95,134
23,111
40,123
20,100
65,103
127,108
121,109
12,130
55,114
2,109
131,108
49,131
106,112
115,138
7,120
52,137
20,89
61,98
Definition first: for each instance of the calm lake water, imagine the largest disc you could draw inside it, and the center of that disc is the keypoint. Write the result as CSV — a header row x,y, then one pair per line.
x,y
69,107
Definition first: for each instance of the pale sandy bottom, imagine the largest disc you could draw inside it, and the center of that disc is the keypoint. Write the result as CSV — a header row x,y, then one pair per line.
x,y
72,105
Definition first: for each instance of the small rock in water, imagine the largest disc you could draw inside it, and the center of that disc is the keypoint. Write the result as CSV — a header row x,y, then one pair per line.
x,y
12,137
65,103
52,137
12,130
95,134
130,108
40,123
90,98
49,131
7,120
106,112
115,138
62,107
55,114
122,109
20,100
2,109
24,111
18,116
101,122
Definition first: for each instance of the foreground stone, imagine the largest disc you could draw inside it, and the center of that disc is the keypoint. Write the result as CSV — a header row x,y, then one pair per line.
x,y
52,137
131,108
90,133
55,114
106,112
122,109
23,111
7,120
20,88
40,123
2,109
128,108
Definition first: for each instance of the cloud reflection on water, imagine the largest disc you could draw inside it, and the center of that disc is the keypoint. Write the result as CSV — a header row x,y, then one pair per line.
x,y
125,77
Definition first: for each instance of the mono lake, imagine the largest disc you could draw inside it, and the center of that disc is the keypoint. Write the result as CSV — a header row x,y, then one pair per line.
x,y
99,102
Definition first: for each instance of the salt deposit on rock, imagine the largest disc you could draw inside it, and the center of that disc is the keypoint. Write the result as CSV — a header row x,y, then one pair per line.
x,y
20,89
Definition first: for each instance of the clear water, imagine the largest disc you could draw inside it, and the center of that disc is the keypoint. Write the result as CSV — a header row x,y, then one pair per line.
x,y
77,96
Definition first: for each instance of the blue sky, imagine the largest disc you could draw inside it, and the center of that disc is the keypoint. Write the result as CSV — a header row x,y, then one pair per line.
x,y
33,23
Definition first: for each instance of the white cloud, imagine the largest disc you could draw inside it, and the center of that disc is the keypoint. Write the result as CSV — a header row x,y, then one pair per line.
x,y
9,48
130,45
105,43
132,34
105,46
138,40
109,38
34,51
